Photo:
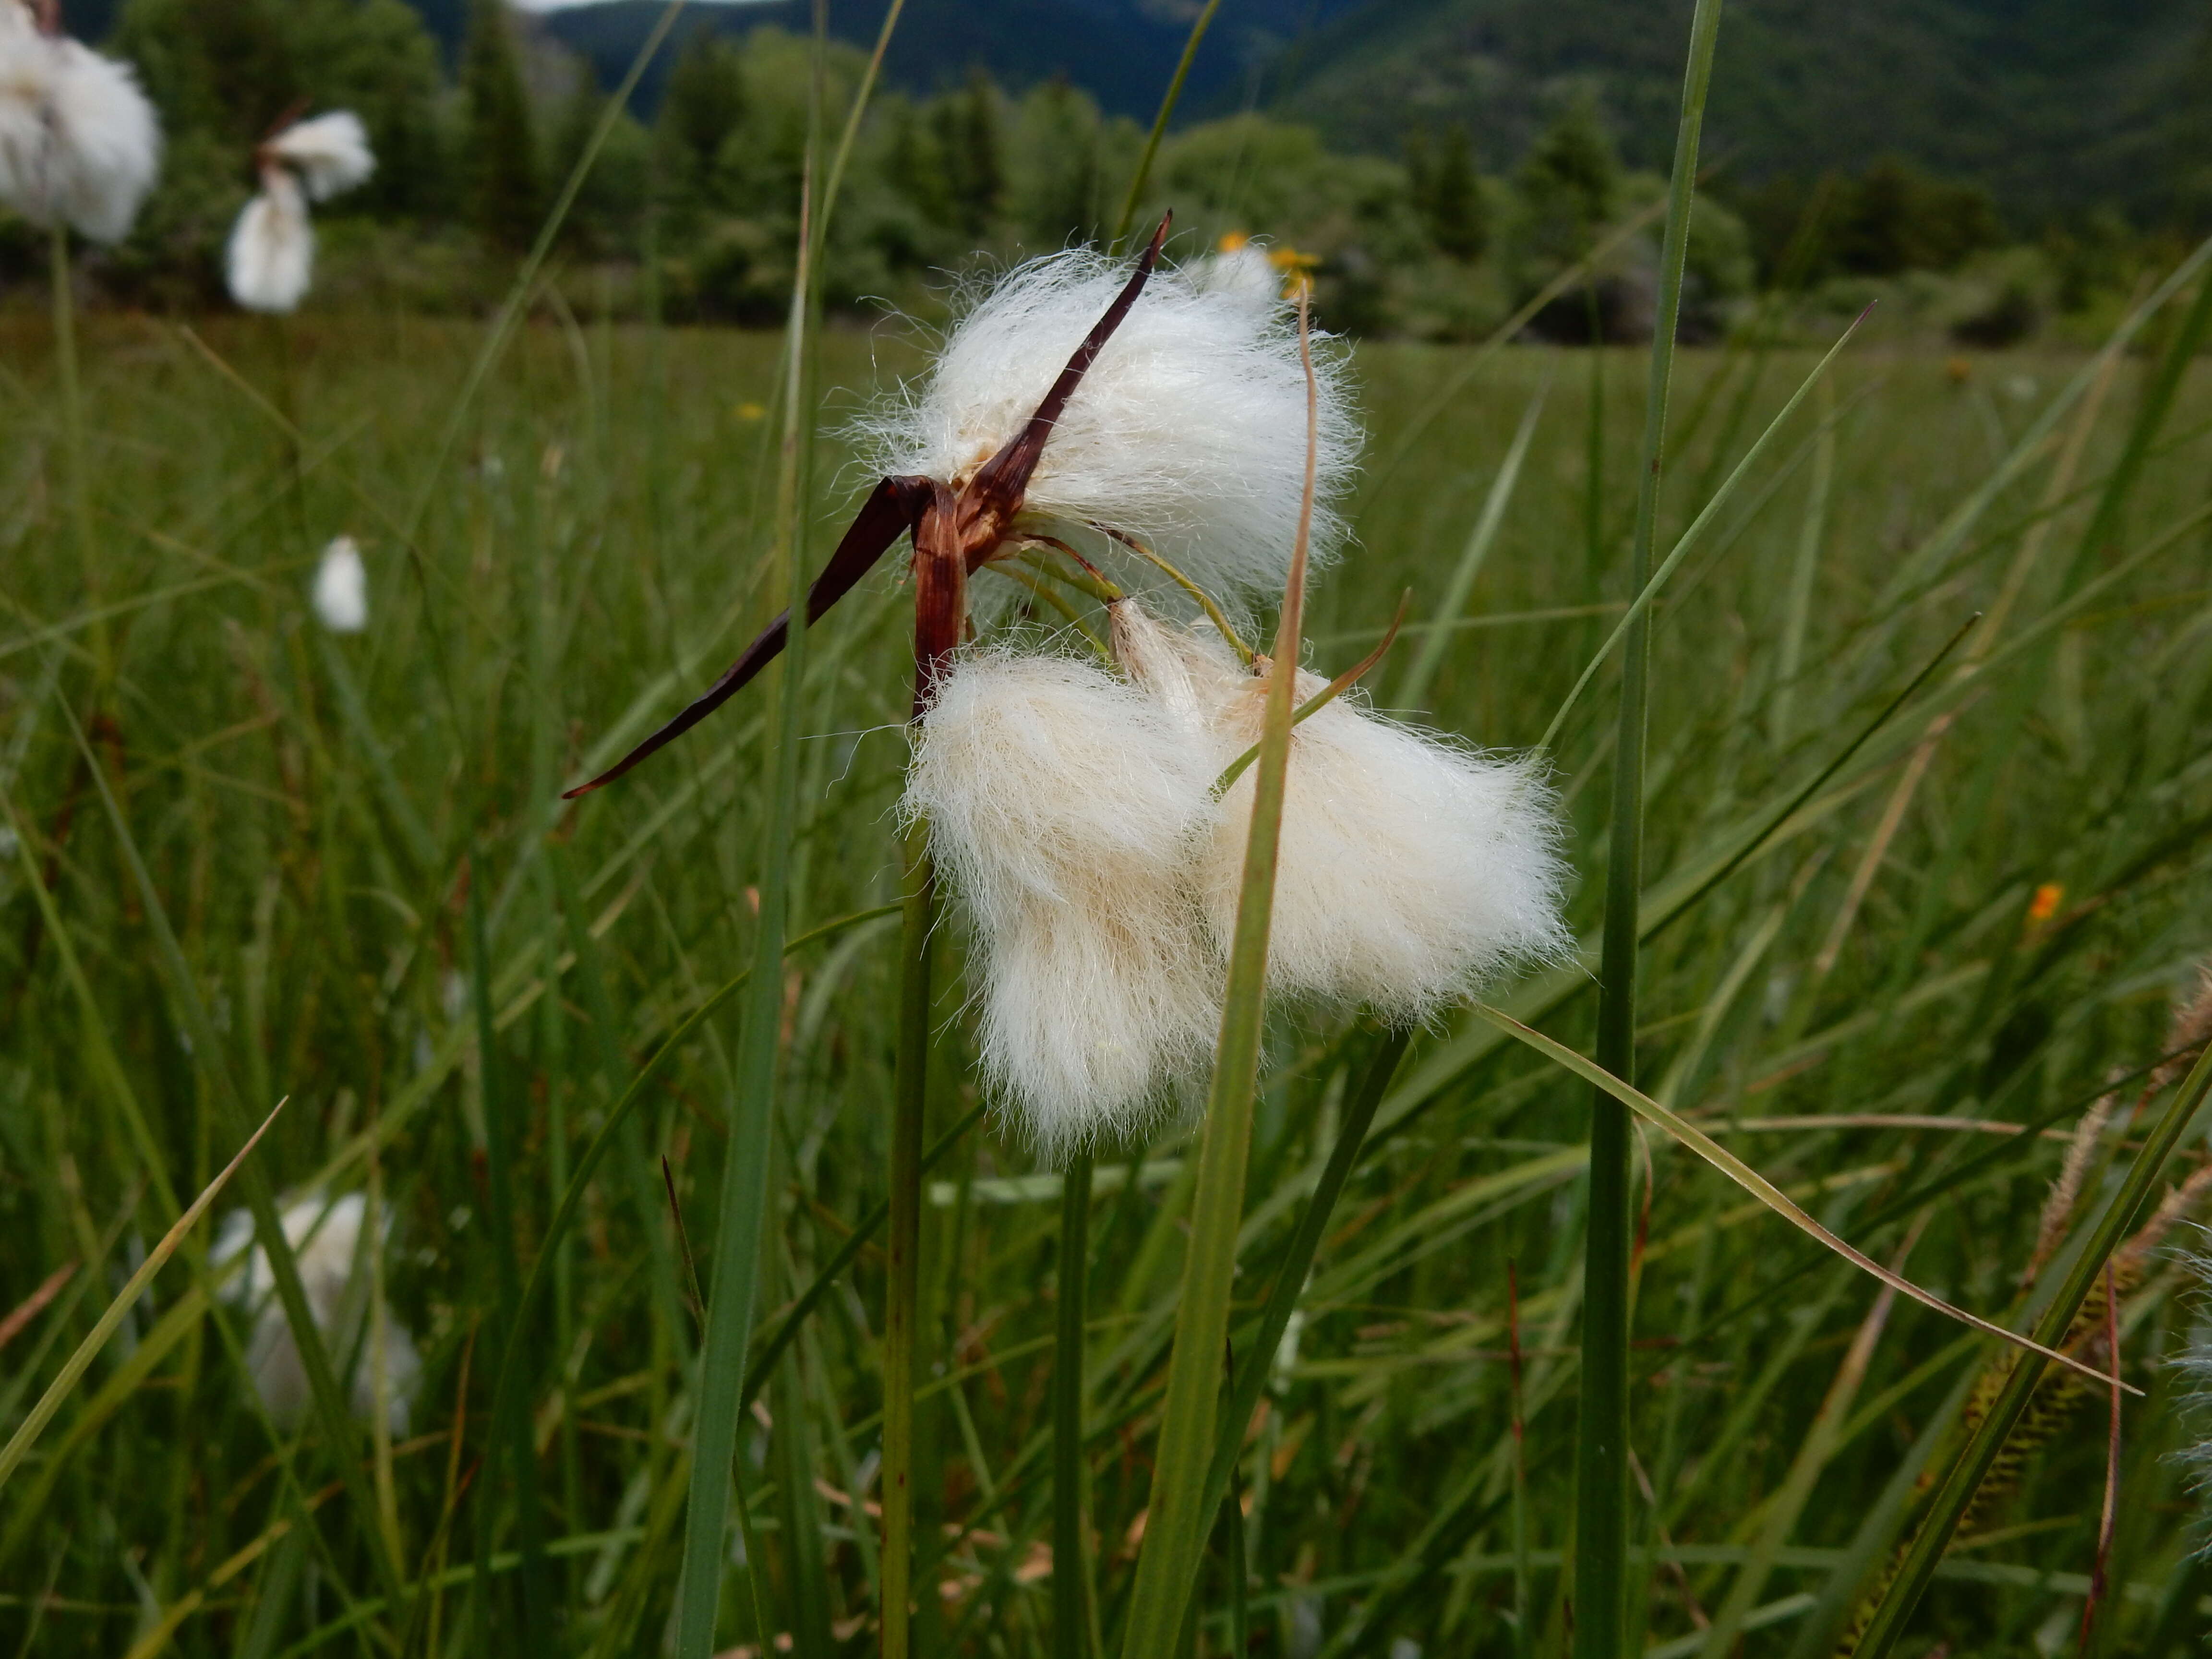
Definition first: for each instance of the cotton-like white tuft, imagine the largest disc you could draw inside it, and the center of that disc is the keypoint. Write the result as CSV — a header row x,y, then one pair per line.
x,y
340,590
326,1238
1060,805
1244,273
79,142
271,256
1188,432
330,153
1411,872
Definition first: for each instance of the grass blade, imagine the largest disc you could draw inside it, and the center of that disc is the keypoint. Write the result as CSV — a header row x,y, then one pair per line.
x,y
1462,586
769,1352
1798,614
1069,1624
1779,1518
903,1295
510,1428
1298,1259
1602,1504
1175,1529
1168,102
331,1411
743,1210
1635,618
1964,1477
1763,1189
509,316
27,1436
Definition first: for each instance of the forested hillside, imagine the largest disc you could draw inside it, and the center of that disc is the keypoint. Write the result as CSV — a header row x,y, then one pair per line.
x,y
2055,107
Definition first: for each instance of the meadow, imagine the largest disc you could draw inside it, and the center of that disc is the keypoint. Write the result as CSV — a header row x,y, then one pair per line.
x,y
1919,891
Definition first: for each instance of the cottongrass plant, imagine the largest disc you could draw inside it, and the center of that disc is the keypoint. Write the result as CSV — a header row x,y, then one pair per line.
x,y
1183,423
1080,820
339,592
79,142
1064,805
332,1246
270,259
80,147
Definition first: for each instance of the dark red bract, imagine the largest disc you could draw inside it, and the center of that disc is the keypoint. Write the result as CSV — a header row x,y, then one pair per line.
x,y
956,532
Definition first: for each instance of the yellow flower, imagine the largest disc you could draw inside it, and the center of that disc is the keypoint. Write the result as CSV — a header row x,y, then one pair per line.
x,y
2044,904
750,411
1231,241
1298,268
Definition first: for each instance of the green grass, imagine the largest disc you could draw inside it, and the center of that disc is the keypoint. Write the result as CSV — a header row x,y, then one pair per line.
x,y
319,816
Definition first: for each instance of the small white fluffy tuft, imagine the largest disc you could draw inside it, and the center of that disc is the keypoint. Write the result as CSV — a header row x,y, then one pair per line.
x,y
330,153
79,142
1061,804
1244,273
1187,434
340,590
271,256
326,1238
1411,872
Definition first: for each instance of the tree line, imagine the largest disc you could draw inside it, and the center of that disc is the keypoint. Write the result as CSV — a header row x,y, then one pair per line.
x,y
692,212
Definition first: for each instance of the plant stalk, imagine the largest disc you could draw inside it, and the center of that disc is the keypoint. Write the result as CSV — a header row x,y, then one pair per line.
x,y
1070,1625
1174,1531
744,1203
1602,1505
940,608
75,458
902,1296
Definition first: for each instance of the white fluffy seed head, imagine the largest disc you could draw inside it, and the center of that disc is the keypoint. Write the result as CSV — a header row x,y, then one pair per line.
x,y
330,153
79,142
1062,804
1411,871
1189,433
325,1239
341,589
271,259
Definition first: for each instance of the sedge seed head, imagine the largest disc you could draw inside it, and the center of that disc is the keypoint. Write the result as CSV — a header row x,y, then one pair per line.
x,y
80,144
1187,433
330,153
1061,804
340,594
1411,870
324,1235
270,258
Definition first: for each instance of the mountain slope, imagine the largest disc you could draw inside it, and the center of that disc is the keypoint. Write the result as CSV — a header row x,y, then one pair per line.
x,y
2055,105
2052,104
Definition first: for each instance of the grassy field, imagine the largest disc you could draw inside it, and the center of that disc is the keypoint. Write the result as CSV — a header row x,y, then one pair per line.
x,y
1982,915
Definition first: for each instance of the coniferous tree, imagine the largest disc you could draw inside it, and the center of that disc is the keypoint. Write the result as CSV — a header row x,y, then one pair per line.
x,y
968,134
500,146
704,104
1054,186
1449,197
1569,179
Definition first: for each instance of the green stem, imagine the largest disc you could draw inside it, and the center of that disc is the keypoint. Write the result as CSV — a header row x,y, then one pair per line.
x,y
1601,1509
743,1212
78,479
1159,126
511,1428
1297,1260
1069,1626
910,1096
1175,1532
